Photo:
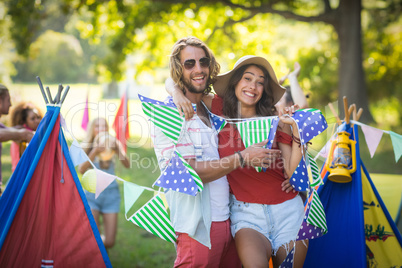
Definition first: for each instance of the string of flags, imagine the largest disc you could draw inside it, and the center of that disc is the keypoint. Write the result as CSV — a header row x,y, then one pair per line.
x,y
180,176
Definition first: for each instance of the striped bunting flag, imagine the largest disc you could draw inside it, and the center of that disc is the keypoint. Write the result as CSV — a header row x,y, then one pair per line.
x,y
179,176
255,131
165,116
316,179
314,224
154,218
316,215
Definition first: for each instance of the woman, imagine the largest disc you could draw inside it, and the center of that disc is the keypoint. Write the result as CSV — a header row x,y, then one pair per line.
x,y
264,220
103,149
24,115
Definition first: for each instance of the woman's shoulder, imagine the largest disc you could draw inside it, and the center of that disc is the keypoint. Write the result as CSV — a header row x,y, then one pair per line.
x,y
216,104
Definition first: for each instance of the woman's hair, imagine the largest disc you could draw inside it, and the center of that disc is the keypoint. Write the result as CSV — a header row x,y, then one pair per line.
x,y
19,113
264,107
3,91
90,135
176,68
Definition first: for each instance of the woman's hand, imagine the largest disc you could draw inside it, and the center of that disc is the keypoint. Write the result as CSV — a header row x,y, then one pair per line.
x,y
183,104
285,116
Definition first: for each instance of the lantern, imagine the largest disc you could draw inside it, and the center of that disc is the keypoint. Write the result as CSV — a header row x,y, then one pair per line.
x,y
342,152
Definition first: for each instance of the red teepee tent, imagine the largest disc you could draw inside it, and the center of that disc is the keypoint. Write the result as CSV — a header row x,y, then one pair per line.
x,y
45,220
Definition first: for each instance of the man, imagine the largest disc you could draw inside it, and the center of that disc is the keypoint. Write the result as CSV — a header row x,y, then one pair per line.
x,y
201,222
7,134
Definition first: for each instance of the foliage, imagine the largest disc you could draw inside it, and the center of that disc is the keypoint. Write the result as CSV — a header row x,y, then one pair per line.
x,y
52,45
283,31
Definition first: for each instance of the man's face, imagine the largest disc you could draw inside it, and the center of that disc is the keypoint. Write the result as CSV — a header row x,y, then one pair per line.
x,y
5,104
195,79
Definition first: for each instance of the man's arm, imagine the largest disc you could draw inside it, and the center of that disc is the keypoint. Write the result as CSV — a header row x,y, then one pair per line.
x,y
14,134
254,155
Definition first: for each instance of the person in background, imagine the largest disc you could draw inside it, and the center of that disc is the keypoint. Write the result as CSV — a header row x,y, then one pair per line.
x,y
294,93
23,115
9,133
103,150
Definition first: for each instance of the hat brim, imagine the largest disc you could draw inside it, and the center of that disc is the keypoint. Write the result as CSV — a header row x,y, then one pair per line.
x,y
223,79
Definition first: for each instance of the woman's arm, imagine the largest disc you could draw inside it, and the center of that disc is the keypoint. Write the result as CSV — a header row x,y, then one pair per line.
x,y
291,154
184,106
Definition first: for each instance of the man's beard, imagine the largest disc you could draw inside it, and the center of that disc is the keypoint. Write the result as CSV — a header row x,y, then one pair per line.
x,y
190,88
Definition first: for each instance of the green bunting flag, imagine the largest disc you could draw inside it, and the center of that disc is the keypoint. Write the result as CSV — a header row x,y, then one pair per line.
x,y
166,118
154,218
316,176
254,131
316,215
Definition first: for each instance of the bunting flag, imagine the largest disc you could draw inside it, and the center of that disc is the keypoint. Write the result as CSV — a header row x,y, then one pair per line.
x,y
131,193
314,223
255,131
103,180
316,215
310,122
218,121
316,179
165,116
85,117
299,179
120,123
373,137
289,260
154,218
397,144
179,176
78,156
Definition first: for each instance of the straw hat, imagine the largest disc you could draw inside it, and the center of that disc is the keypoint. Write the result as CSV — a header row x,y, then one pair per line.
x,y
223,79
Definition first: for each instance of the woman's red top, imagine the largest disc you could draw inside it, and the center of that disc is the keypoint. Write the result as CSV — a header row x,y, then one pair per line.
x,y
246,183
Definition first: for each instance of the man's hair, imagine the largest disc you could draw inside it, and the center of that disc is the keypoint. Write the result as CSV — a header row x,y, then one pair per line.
x,y
3,91
264,107
176,68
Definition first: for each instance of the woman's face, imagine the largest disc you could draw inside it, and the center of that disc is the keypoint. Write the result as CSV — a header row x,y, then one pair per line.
x,y
100,126
33,119
250,88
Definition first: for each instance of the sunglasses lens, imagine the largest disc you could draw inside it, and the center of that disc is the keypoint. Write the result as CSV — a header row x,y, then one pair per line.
x,y
204,62
189,64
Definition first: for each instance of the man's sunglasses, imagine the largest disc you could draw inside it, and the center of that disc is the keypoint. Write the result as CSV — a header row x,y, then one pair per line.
x,y
189,64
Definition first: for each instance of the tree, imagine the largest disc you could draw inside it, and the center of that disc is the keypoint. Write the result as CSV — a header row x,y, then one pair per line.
x,y
128,26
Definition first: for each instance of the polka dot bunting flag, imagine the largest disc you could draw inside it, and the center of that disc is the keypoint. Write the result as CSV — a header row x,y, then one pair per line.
x,y
299,179
178,177
311,123
288,262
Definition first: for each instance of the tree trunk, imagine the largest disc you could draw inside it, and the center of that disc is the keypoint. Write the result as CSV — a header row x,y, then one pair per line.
x,y
352,83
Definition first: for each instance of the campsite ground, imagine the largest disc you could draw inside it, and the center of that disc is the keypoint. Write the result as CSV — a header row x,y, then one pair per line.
x,y
136,247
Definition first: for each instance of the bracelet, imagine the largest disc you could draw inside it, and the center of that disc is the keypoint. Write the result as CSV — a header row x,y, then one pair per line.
x,y
241,159
297,140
